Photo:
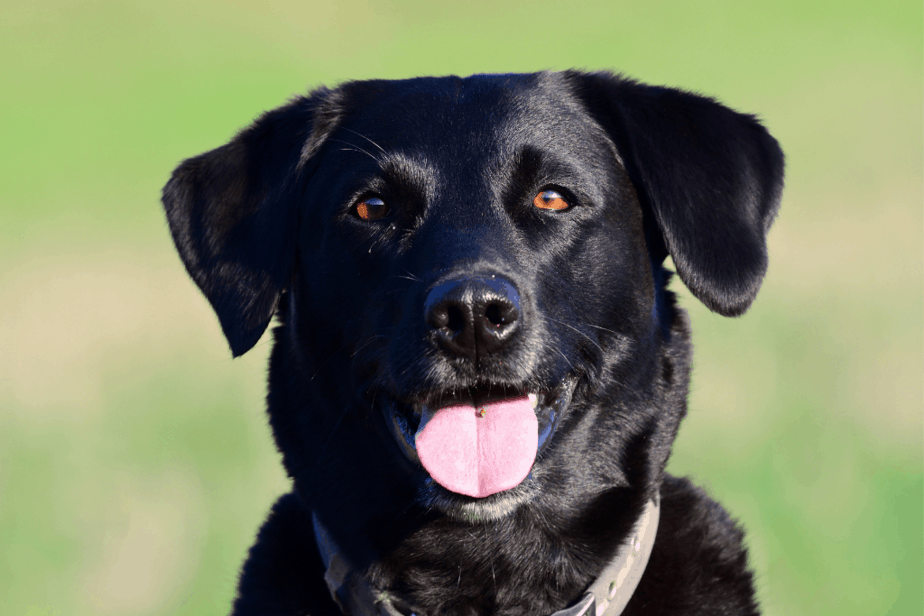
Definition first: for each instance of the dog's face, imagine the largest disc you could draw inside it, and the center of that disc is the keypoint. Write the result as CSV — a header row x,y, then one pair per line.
x,y
487,247
468,276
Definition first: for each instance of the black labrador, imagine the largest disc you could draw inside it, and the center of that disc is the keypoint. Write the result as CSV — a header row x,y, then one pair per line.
x,y
478,370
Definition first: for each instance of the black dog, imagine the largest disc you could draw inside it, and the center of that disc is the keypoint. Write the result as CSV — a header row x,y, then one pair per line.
x,y
478,371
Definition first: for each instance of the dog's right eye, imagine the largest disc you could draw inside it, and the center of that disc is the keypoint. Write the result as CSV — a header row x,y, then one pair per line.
x,y
550,200
371,209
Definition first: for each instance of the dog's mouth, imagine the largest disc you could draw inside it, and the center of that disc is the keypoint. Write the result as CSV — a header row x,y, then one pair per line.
x,y
477,443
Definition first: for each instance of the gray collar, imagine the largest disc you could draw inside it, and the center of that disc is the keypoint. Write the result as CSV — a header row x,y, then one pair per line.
x,y
607,596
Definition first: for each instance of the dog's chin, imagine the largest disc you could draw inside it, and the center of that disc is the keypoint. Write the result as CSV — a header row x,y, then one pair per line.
x,y
403,420
475,510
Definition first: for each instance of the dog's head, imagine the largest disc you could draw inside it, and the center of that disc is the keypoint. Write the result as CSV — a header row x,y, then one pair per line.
x,y
468,275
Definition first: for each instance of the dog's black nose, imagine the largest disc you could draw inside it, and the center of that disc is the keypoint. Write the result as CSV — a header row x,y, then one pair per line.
x,y
474,316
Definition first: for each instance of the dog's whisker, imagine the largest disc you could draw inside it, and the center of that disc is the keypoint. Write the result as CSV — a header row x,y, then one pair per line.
x,y
368,342
355,148
358,134
412,276
565,357
615,333
330,437
326,361
592,341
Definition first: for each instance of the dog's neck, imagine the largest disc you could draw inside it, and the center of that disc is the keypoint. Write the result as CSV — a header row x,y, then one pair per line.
x,y
606,596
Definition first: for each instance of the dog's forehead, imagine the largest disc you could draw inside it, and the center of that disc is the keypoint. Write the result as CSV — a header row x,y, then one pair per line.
x,y
474,116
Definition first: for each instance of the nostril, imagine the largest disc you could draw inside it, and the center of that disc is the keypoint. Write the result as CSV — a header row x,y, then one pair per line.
x,y
497,315
455,320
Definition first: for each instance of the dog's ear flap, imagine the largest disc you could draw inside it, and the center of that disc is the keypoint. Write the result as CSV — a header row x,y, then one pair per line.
x,y
233,213
709,178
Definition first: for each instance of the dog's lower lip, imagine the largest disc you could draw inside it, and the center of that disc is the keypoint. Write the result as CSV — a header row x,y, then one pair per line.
x,y
403,432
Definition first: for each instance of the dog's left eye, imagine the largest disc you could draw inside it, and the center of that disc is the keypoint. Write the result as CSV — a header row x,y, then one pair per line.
x,y
370,209
550,200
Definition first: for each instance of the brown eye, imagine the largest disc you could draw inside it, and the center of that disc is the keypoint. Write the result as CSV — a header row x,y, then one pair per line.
x,y
372,208
550,200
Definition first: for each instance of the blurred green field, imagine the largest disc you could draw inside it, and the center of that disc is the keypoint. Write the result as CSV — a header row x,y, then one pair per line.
x,y
135,461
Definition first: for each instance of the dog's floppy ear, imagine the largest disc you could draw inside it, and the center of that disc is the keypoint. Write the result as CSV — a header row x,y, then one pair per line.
x,y
233,213
709,177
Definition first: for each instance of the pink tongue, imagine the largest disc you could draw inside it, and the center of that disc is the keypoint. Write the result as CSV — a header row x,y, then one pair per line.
x,y
479,452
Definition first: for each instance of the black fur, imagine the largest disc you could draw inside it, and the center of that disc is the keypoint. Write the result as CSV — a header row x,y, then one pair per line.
x,y
266,225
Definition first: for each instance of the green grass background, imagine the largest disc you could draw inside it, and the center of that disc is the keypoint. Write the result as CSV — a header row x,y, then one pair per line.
x,y
135,460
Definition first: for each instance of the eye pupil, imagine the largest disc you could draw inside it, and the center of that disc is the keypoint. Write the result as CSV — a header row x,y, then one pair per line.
x,y
372,208
550,200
